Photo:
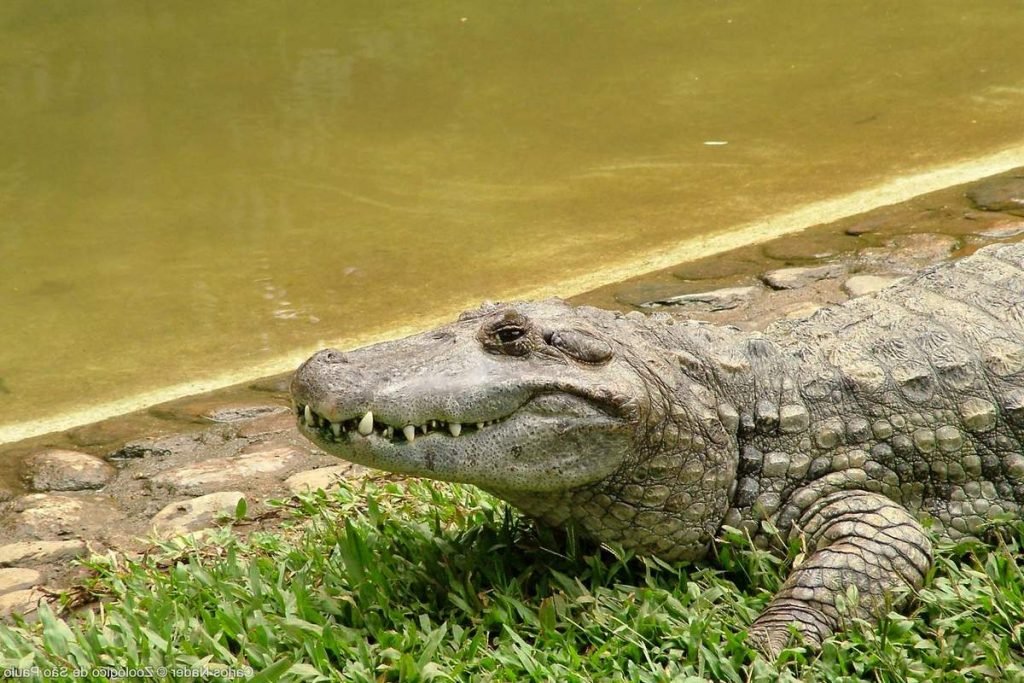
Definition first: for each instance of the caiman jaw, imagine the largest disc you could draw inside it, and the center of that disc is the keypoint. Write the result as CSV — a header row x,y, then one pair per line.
x,y
498,401
529,450
366,425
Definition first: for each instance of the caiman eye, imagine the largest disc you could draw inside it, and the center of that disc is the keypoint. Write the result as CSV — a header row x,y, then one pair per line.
x,y
507,335
510,335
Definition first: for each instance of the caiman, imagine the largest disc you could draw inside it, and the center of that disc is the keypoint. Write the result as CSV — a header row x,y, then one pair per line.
x,y
845,429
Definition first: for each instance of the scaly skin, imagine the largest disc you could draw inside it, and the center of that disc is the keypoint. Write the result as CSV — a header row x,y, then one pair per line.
x,y
843,429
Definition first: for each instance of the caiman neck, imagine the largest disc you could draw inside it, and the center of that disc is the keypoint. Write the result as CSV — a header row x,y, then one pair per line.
x,y
673,489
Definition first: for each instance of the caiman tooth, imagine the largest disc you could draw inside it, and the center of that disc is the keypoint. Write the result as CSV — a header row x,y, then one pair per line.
x,y
366,424
308,414
479,425
455,428
336,428
424,428
389,432
410,433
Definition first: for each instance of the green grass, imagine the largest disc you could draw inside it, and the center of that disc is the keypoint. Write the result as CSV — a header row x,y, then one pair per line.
x,y
426,581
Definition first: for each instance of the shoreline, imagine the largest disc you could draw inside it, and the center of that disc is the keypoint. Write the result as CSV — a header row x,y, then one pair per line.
x,y
178,466
692,249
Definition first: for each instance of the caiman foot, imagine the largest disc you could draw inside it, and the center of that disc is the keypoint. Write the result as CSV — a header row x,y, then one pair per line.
x,y
774,629
855,538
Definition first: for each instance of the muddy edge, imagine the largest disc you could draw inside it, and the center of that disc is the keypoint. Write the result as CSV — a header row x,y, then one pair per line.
x,y
179,466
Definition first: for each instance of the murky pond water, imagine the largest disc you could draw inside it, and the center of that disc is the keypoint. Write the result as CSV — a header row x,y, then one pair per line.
x,y
192,193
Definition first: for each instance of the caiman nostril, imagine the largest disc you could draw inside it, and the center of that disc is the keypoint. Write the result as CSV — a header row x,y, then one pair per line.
x,y
331,356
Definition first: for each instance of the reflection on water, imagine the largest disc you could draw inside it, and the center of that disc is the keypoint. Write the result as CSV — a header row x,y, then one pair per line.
x,y
189,191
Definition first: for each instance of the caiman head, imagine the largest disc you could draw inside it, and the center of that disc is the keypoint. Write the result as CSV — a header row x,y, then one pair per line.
x,y
545,405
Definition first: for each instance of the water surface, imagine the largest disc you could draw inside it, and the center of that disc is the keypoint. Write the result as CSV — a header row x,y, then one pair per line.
x,y
192,193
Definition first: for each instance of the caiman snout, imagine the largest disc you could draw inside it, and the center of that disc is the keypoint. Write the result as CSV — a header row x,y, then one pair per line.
x,y
513,397
321,378
320,366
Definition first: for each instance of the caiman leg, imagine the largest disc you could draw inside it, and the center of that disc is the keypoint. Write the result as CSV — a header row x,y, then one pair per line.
x,y
854,538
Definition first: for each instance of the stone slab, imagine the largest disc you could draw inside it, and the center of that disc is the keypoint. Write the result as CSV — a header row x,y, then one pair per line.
x,y
325,478
23,602
859,285
18,578
193,514
210,475
797,278
64,470
38,552
715,300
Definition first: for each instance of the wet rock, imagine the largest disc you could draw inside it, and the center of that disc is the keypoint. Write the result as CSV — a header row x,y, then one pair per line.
x,y
116,430
868,225
39,552
239,413
23,602
62,470
908,253
859,285
1002,231
137,450
278,384
810,246
325,478
18,578
291,440
715,300
177,413
160,447
796,278
999,194
638,294
216,408
270,424
194,514
213,474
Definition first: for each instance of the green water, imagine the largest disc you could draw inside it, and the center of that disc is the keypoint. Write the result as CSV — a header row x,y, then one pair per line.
x,y
194,192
